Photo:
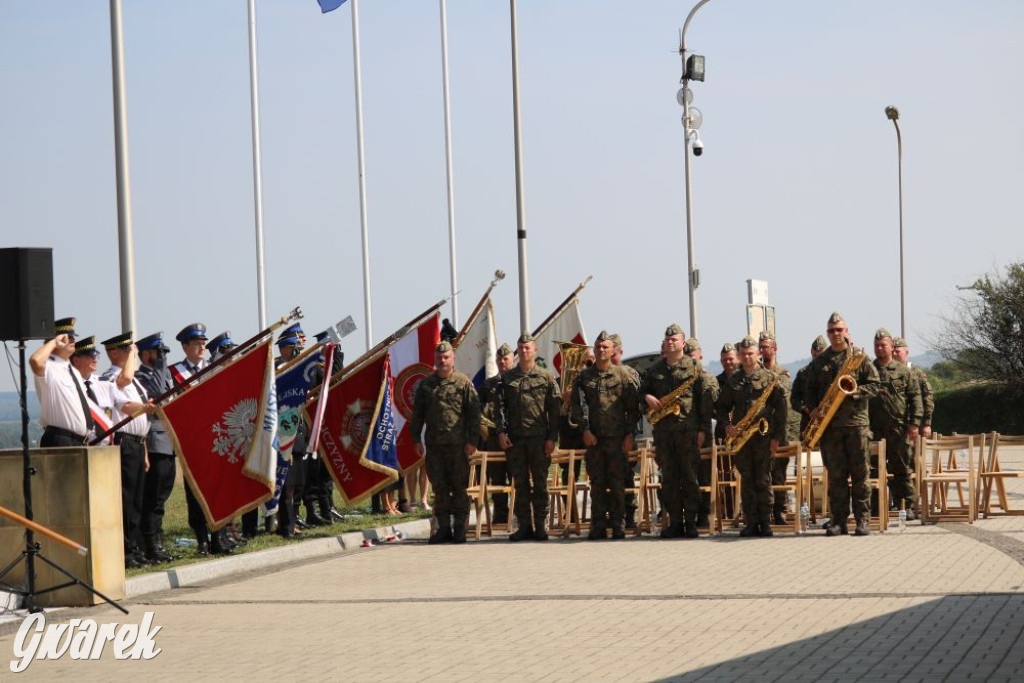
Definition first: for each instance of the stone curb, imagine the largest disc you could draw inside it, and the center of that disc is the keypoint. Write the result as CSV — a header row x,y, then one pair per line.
x,y
203,572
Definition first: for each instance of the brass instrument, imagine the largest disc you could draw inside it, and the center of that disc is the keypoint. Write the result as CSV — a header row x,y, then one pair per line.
x,y
574,358
486,425
752,422
842,386
670,401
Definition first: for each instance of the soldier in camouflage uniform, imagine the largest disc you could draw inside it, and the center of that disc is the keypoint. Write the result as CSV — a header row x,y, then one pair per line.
x,y
901,352
678,438
769,351
895,413
448,405
606,406
631,472
796,395
711,391
754,459
845,443
497,472
730,364
527,430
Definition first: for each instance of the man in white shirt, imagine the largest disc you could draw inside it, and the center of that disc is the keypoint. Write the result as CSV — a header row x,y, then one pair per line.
x,y
63,409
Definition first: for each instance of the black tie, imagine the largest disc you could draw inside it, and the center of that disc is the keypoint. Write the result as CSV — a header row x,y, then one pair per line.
x,y
90,424
89,392
138,388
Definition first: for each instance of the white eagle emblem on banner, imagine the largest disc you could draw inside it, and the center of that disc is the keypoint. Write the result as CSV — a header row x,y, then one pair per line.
x,y
234,432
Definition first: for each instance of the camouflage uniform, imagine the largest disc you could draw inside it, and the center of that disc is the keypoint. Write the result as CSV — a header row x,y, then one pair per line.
x,y
754,460
497,472
675,437
606,402
897,404
450,409
712,390
846,441
532,404
797,399
778,465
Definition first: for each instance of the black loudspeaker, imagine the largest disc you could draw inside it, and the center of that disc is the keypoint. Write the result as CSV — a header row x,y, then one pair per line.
x,y
26,293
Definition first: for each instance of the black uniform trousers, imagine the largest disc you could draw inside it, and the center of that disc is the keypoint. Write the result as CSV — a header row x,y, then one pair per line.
x,y
133,475
156,489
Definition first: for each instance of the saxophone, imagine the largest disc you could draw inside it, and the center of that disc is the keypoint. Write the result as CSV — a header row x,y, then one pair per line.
x,y
670,401
752,422
842,386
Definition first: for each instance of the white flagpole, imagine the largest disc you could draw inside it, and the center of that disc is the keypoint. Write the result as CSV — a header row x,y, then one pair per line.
x,y
126,250
448,162
524,297
257,172
362,171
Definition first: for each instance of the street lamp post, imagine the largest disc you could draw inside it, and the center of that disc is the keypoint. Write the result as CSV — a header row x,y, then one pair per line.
x,y
693,69
894,114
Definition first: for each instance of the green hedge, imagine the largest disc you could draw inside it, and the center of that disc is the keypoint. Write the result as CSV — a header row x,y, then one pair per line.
x,y
978,408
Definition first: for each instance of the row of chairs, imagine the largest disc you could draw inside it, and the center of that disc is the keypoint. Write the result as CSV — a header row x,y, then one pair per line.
x,y
956,478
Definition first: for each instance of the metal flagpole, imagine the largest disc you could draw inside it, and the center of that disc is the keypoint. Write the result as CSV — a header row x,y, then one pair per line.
x,y
448,161
126,250
257,173
524,297
362,170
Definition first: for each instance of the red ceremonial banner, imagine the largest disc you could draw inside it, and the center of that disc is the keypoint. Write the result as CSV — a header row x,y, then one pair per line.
x,y
352,406
214,426
412,359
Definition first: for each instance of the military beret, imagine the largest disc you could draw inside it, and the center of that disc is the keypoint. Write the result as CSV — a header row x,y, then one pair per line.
x,y
119,342
86,347
287,340
616,340
835,318
64,326
747,342
765,336
153,341
193,331
728,348
673,330
602,336
443,347
504,350
221,341
691,345
882,333
899,342
525,338
819,343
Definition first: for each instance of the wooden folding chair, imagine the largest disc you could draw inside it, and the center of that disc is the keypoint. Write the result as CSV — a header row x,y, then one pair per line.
x,y
560,495
647,515
480,491
993,475
728,488
636,487
813,481
937,474
876,482
794,483
575,510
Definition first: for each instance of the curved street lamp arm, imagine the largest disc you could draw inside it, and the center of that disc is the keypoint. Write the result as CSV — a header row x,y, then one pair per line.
x,y
686,24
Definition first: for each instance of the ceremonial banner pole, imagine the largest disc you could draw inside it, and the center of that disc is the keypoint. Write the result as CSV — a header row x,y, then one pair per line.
x,y
362,171
524,290
125,242
561,306
257,172
499,275
448,161
296,314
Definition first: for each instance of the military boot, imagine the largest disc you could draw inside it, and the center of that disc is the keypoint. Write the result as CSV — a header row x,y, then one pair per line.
x,y
862,528
749,530
539,532
764,529
459,532
618,533
443,533
778,518
690,530
837,529
523,533
598,532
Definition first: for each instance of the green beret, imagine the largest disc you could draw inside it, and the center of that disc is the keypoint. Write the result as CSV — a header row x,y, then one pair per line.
x,y
819,344
443,347
525,338
899,342
673,330
835,318
728,348
747,342
504,350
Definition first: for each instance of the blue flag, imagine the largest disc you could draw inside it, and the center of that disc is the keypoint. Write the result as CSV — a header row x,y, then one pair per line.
x,y
381,452
330,5
292,387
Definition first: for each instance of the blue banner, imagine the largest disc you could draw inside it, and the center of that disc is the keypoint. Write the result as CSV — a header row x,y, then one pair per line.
x,y
330,5
381,452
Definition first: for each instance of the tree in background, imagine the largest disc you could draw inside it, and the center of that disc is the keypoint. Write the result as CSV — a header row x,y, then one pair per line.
x,y
985,335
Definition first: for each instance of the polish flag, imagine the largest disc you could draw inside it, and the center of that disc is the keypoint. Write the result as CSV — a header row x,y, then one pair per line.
x,y
412,359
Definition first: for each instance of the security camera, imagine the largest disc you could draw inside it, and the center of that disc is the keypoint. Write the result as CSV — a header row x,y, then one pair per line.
x,y
698,147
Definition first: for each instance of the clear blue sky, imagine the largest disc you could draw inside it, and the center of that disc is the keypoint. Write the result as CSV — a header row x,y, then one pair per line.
x,y
797,184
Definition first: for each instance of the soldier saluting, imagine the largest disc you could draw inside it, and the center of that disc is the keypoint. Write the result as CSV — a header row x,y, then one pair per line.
x,y
448,405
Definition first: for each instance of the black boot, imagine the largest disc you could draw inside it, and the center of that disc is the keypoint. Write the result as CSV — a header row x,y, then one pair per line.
x,y
749,530
778,517
523,533
443,534
219,544
539,532
703,521
618,533
837,529
327,510
202,545
690,530
314,519
862,528
765,528
155,552
459,532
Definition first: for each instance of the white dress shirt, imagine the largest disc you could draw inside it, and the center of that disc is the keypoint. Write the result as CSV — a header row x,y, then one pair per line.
x,y
59,400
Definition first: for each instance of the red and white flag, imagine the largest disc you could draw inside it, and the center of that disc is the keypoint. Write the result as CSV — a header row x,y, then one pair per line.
x,y
412,359
566,326
223,429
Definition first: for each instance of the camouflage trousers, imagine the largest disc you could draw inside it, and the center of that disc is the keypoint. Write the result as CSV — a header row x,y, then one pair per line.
x,y
845,453
754,462
528,466
448,471
899,464
677,455
607,466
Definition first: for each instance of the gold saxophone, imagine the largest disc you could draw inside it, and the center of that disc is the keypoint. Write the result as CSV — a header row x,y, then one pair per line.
x,y
842,386
752,422
574,358
670,401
